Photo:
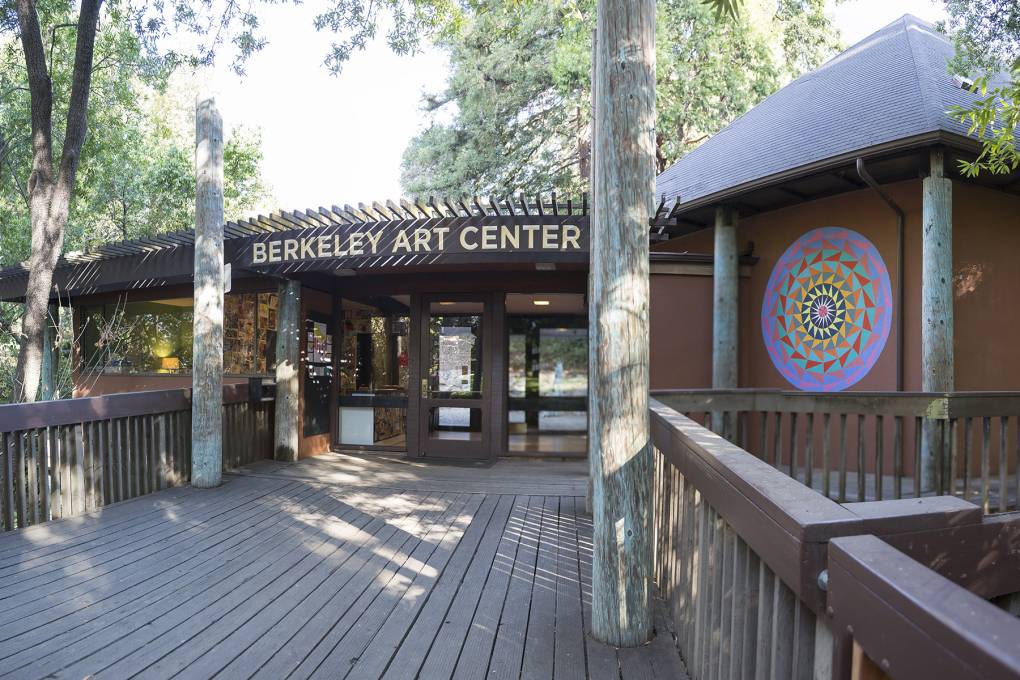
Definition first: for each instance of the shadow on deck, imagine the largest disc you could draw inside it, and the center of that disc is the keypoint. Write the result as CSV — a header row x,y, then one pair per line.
x,y
338,567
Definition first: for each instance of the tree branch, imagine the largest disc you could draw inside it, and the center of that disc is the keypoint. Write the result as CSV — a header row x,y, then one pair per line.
x,y
81,83
41,90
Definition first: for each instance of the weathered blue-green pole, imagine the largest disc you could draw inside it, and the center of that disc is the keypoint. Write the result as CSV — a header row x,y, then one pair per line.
x,y
207,371
288,363
622,202
936,307
51,353
724,305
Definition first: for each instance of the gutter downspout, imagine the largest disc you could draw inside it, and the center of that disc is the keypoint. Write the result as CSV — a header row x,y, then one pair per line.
x,y
870,181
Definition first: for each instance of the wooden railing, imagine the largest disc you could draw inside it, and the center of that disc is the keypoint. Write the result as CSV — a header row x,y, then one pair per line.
x,y
754,587
64,458
869,445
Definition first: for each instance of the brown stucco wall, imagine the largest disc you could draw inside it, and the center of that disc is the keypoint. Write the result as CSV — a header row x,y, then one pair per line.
x,y
986,238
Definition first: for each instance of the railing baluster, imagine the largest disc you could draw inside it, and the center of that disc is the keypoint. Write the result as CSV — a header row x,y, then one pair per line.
x,y
6,441
67,468
77,432
967,434
809,458
763,451
861,465
826,445
986,435
777,446
19,462
842,457
879,456
43,438
898,457
793,445
1003,466
917,457
954,454
32,475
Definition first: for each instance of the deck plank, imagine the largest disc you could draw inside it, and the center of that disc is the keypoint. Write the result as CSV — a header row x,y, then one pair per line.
x,y
410,580
540,638
464,573
465,648
73,619
570,657
508,650
352,567
109,647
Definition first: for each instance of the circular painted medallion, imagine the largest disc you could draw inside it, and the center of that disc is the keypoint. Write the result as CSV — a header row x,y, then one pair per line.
x,y
827,310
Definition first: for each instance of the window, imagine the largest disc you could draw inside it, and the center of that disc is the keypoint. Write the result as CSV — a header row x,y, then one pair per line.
x,y
374,371
547,377
157,336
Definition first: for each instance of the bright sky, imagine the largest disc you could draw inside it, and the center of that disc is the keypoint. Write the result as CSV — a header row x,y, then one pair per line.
x,y
334,140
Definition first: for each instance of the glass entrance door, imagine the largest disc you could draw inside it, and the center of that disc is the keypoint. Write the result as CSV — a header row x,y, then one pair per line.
x,y
455,413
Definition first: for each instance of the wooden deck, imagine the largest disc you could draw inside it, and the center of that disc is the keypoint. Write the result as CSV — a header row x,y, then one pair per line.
x,y
336,567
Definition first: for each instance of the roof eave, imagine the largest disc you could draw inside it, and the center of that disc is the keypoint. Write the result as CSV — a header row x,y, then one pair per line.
x,y
927,139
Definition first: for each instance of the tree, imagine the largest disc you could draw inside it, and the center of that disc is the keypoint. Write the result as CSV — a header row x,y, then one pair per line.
x,y
56,159
515,113
987,38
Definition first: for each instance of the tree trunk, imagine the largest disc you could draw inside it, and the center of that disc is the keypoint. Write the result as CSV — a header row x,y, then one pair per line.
x,y
49,188
624,193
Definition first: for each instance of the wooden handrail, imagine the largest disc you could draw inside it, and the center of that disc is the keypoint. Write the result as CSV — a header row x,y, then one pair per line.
x,y
734,532
121,405
786,523
935,405
913,622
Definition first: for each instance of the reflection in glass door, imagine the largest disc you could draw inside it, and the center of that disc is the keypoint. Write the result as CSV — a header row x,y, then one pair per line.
x,y
374,369
453,408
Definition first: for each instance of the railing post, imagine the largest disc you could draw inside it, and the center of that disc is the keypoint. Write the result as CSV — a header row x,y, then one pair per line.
x,y
207,372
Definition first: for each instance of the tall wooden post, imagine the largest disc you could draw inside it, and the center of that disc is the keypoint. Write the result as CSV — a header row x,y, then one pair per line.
x,y
288,363
624,193
936,303
207,357
51,354
724,304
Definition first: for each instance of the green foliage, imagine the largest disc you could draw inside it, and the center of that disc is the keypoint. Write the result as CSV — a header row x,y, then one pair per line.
x,y
514,116
987,38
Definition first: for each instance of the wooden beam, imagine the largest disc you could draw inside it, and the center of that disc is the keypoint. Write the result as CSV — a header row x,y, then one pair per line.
x,y
936,300
207,353
623,195
288,371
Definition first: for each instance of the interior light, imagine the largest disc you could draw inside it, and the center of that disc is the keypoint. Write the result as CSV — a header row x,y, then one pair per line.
x,y
541,303
447,304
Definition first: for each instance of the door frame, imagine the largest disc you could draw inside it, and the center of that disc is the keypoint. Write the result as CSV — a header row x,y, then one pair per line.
x,y
492,400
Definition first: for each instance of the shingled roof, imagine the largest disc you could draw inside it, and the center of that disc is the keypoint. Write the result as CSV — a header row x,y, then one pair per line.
x,y
893,85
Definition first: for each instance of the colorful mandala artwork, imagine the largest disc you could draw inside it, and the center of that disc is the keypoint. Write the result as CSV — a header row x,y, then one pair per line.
x,y
827,310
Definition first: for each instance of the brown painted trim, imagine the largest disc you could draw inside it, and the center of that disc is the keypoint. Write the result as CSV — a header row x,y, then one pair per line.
x,y
914,622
